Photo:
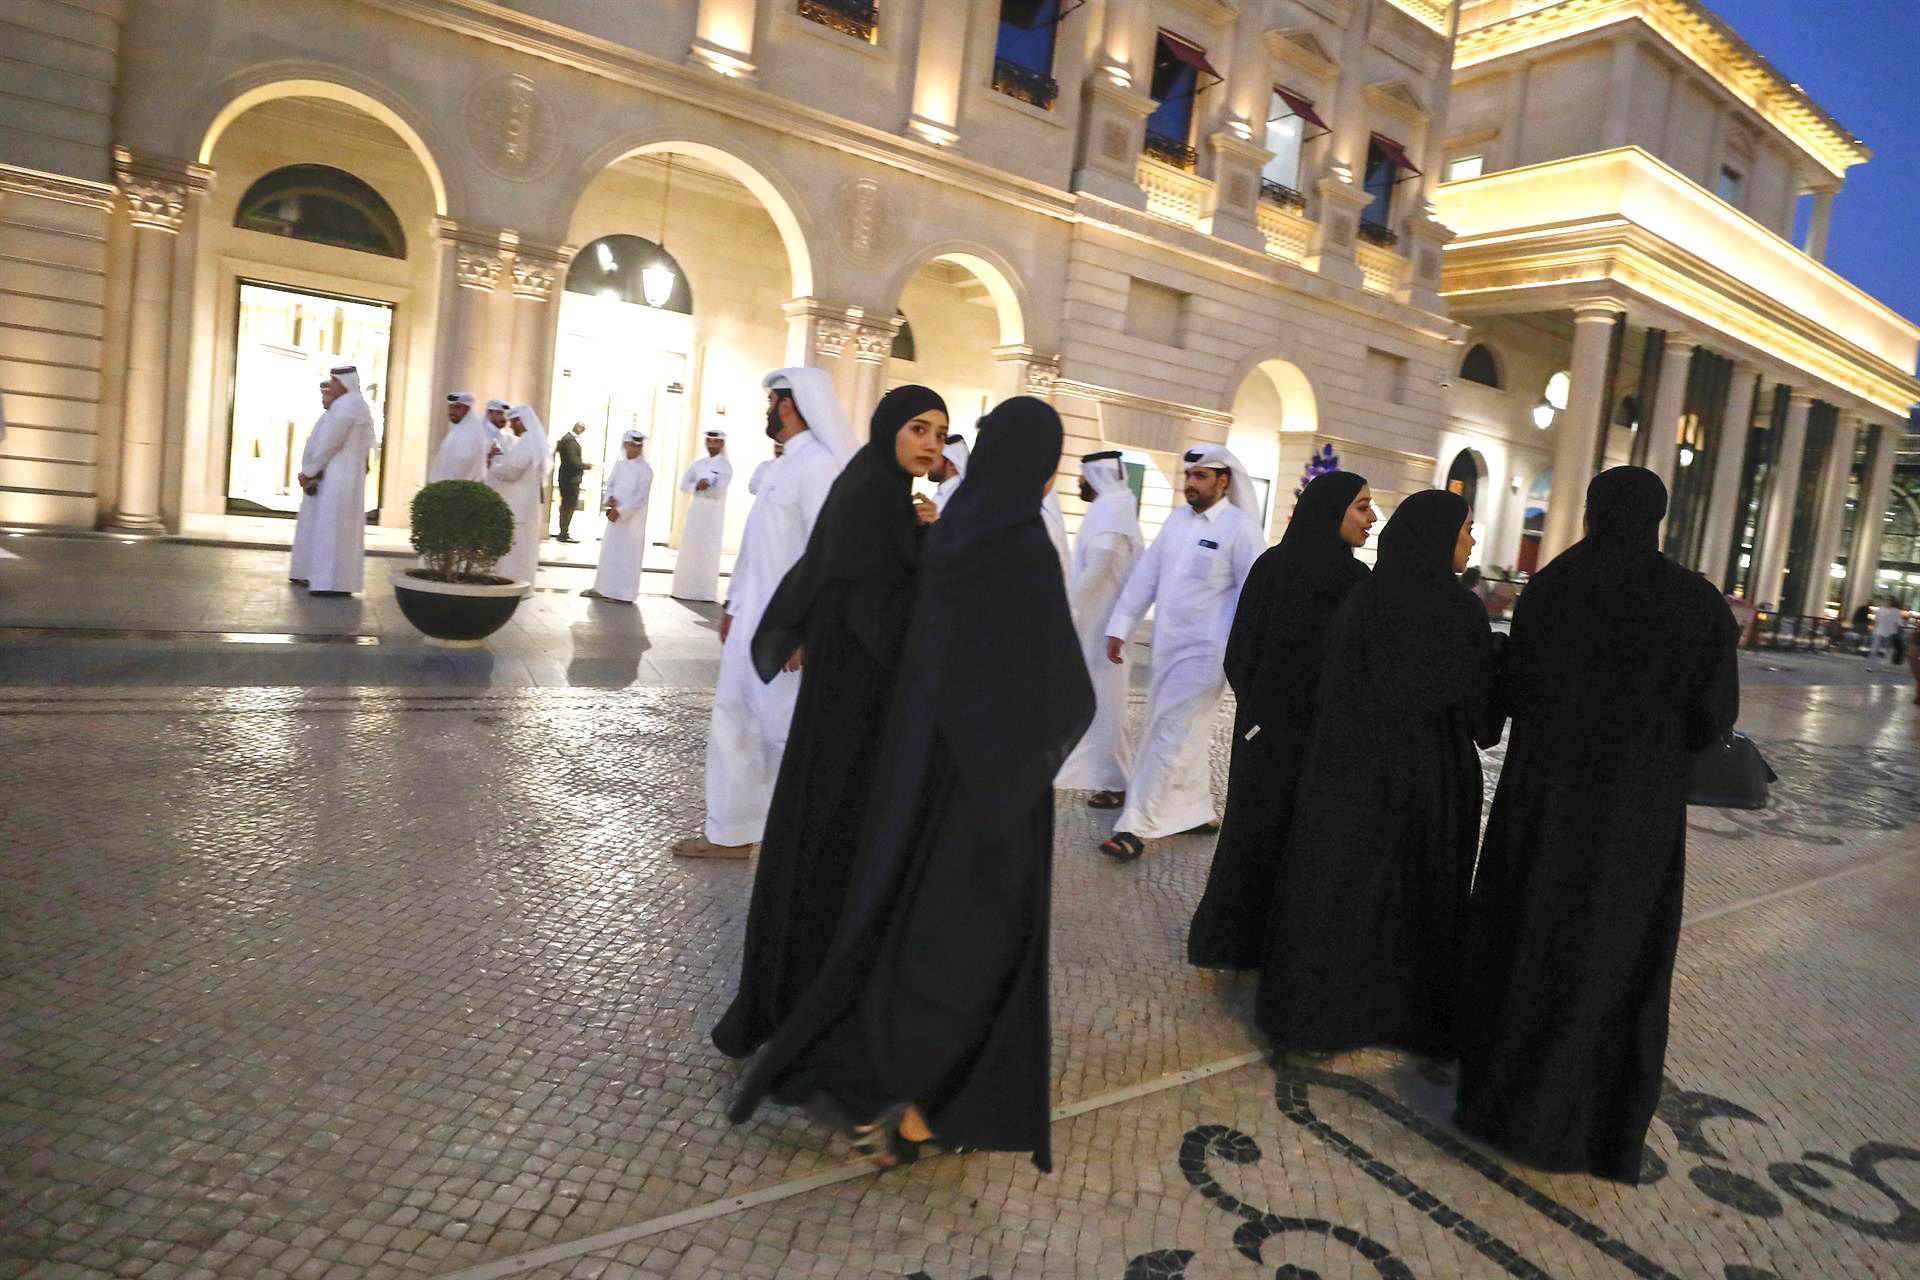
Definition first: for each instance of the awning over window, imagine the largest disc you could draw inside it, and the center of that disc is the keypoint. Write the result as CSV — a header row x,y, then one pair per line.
x,y
1302,108
1397,154
1191,54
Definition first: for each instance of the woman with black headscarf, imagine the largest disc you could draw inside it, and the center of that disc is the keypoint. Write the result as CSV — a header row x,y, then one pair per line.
x,y
1622,664
841,615
1273,664
930,1013
1361,945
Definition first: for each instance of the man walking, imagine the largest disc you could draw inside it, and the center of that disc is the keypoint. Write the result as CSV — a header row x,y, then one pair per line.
x,y
572,469
1191,577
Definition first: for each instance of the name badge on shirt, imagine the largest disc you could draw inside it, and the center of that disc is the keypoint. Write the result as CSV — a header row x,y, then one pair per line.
x,y
1209,544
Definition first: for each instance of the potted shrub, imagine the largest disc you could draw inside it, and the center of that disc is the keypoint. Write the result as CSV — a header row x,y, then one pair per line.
x,y
461,528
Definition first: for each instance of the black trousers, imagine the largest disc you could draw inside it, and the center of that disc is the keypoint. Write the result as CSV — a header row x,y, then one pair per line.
x,y
569,500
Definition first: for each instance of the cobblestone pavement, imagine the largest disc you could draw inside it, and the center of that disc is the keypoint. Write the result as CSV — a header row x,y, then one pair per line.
x,y
340,983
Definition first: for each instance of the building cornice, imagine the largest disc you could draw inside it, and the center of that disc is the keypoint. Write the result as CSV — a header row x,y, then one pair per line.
x,y
727,96
53,186
1705,40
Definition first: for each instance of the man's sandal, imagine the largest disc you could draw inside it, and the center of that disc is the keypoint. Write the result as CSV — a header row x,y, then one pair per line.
x,y
1123,846
1107,800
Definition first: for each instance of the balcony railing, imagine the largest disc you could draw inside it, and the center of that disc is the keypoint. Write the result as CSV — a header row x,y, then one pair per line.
x,y
1287,233
1280,195
1171,151
1033,87
1378,233
857,18
1172,193
1380,268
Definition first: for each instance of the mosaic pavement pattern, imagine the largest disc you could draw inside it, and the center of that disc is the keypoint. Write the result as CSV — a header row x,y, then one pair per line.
x,y
384,983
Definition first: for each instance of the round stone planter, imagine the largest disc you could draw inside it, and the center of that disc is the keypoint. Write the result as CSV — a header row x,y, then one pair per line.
x,y
457,614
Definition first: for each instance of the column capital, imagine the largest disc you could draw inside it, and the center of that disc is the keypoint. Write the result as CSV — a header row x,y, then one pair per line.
x,y
479,253
1799,400
1598,311
1678,340
156,189
536,267
1038,370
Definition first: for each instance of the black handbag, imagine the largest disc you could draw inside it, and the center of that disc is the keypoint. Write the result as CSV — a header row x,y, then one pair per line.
x,y
1730,774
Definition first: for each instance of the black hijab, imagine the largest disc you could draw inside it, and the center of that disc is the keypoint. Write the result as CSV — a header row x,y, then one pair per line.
x,y
1625,506
1273,652
991,627
1426,636
866,535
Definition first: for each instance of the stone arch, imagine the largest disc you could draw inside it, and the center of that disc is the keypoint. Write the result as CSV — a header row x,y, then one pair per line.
x,y
1001,280
1482,364
1467,469
240,94
1300,403
779,199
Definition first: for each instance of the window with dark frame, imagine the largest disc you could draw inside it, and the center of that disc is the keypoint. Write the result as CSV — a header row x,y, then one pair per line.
x,y
1733,185
1023,51
1387,167
1480,366
857,18
1292,122
322,205
1181,73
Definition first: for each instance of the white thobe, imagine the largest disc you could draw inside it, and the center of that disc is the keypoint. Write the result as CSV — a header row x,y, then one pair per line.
x,y
1191,578
943,494
623,545
696,574
463,454
516,475
330,531
750,718
759,474
1104,757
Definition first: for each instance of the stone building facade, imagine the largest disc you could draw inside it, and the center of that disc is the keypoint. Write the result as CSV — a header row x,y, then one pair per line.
x,y
1180,220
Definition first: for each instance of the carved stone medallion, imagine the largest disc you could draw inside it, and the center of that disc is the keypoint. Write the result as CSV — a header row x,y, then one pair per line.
x,y
514,129
864,221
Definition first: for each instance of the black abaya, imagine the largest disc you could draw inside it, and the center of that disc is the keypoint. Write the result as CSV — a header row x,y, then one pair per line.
x,y
1622,663
1361,945
935,990
1273,664
847,600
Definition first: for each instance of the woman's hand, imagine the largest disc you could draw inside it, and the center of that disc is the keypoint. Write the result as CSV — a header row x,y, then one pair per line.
x,y
798,660
924,508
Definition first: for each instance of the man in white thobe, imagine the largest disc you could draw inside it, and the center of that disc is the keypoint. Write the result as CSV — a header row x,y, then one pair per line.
x,y
748,734
696,573
760,472
1887,622
463,454
1105,551
330,531
1191,578
949,471
516,471
623,546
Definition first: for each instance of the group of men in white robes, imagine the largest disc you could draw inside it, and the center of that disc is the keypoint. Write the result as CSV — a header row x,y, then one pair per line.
x,y
696,573
330,529
748,732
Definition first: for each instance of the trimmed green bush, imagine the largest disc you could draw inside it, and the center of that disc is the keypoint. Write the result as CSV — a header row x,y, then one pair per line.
x,y
461,528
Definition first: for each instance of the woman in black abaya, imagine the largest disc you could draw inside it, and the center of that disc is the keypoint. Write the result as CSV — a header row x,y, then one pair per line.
x,y
1621,665
1361,945
844,606
1273,664
930,1014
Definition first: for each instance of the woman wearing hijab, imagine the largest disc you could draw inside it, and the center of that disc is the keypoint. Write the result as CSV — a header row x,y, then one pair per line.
x,y
1273,664
1621,664
930,1014
1361,945
844,605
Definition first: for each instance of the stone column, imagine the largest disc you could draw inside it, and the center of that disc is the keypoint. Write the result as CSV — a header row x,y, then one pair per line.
x,y
1422,242
155,194
1836,473
536,268
1113,127
871,346
1870,517
1232,205
476,257
1019,370
1820,223
1776,522
1716,541
1331,249
1616,125
841,339
1662,425
1577,435
938,73
723,38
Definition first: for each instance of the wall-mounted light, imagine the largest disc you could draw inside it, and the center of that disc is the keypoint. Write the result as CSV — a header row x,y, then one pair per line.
x,y
1543,415
1686,457
657,278
1558,388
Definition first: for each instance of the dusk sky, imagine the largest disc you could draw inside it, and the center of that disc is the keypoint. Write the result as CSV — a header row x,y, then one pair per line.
x,y
1858,59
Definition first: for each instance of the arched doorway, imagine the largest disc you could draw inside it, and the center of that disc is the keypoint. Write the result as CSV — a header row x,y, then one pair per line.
x,y
675,362
1465,475
1533,525
1275,423
315,249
